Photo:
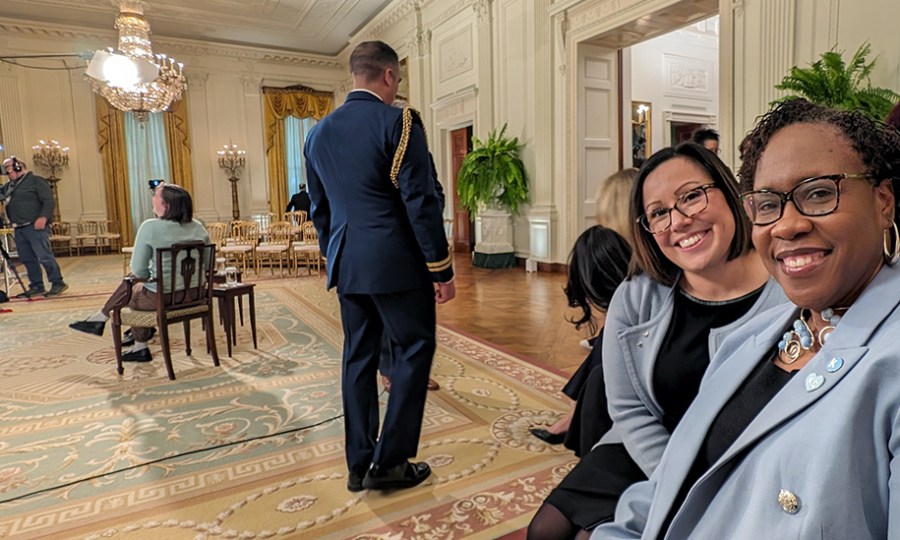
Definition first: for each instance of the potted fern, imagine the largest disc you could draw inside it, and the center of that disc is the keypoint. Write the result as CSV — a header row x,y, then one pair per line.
x,y
491,183
834,83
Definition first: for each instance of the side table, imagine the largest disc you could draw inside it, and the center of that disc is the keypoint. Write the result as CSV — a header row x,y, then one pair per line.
x,y
226,297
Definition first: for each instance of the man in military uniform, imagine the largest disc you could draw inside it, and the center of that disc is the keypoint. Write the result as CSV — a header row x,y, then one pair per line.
x,y
381,229
29,207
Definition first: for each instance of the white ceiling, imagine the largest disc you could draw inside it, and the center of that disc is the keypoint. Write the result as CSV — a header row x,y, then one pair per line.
x,y
311,26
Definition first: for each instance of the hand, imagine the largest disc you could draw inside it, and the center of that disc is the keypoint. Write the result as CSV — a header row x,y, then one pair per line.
x,y
444,292
40,223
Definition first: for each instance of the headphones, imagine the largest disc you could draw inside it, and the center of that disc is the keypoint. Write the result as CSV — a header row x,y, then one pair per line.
x,y
17,165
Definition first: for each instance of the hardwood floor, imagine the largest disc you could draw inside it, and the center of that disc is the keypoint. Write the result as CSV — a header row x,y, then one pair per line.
x,y
521,312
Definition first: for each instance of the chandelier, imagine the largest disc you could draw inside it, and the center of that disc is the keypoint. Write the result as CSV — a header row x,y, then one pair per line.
x,y
133,78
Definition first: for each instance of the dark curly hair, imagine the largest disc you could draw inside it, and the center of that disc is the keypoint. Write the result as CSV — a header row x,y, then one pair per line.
x,y
597,265
877,144
648,257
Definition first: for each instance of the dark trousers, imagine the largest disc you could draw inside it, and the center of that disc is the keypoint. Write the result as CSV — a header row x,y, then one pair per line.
x,y
34,251
141,300
408,319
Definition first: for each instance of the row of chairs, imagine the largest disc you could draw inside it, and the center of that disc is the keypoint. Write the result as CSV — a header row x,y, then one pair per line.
x,y
82,235
243,243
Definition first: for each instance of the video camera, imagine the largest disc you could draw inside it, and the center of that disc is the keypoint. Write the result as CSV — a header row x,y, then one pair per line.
x,y
155,183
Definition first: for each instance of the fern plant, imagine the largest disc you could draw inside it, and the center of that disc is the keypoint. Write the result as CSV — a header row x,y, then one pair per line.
x,y
831,82
492,174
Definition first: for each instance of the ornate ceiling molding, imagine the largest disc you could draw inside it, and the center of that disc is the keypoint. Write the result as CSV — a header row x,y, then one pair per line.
x,y
170,45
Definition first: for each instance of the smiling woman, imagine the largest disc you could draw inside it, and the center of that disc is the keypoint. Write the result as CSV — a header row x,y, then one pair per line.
x,y
810,386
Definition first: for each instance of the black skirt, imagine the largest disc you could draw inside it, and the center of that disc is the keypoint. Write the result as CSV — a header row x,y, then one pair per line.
x,y
589,493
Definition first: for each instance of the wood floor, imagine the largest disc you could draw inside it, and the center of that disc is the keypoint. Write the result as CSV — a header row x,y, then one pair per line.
x,y
521,312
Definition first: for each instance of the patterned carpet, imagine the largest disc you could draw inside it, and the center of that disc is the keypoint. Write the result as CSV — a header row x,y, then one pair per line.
x,y
253,449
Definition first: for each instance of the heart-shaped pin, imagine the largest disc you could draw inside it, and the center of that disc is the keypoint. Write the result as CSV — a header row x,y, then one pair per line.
x,y
814,381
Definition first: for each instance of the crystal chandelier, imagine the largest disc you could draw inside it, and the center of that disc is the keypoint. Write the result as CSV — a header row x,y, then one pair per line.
x,y
133,78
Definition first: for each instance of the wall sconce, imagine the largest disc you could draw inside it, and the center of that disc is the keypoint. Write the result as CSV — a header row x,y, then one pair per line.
x,y
53,157
232,159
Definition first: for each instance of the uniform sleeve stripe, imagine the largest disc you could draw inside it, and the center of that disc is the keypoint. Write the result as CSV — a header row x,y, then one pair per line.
x,y
441,265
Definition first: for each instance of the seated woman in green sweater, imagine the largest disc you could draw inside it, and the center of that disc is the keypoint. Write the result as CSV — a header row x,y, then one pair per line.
x,y
174,224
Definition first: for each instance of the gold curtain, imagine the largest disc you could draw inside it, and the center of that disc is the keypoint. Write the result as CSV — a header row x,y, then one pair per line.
x,y
178,143
280,103
111,142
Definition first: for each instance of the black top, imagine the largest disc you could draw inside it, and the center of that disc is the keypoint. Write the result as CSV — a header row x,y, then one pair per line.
x,y
751,397
684,354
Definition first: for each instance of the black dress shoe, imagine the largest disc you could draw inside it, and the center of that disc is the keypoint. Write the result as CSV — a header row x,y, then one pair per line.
x,y
354,482
405,475
128,339
142,355
89,327
547,437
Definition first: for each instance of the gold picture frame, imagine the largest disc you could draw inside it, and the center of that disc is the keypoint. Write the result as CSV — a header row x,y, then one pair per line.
x,y
641,132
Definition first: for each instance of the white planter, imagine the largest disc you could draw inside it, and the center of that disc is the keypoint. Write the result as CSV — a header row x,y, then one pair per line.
x,y
493,239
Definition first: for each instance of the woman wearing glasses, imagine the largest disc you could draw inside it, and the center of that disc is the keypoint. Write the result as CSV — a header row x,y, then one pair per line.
x,y
796,431
694,280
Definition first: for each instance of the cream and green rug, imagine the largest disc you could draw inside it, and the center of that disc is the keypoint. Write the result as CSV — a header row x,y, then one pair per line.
x,y
253,449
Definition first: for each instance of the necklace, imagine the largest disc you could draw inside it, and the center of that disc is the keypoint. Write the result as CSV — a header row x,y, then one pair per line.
x,y
801,338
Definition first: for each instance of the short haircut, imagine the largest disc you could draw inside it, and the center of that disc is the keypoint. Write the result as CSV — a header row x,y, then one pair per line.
x,y
648,257
598,263
612,202
179,206
877,144
370,58
702,135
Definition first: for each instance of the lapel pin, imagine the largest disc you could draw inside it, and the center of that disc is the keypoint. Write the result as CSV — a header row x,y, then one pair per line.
x,y
814,381
835,364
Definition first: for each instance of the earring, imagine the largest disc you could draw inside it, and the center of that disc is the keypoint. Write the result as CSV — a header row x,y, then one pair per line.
x,y
891,245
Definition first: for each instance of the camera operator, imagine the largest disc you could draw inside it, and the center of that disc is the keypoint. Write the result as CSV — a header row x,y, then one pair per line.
x,y
29,207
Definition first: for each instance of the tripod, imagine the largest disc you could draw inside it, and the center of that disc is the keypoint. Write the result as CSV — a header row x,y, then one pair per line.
x,y
9,264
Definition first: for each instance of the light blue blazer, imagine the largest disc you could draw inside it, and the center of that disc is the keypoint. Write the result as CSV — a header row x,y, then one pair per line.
x,y
639,316
830,437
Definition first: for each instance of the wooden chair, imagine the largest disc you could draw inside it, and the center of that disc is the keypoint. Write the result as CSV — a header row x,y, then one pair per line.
x,y
308,248
86,236
109,235
277,244
296,219
241,244
218,233
183,294
61,236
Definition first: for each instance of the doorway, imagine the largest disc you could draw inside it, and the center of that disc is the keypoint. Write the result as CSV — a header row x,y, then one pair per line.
x,y
463,232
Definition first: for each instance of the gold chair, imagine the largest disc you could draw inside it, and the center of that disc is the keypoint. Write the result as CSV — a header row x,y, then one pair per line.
x,y
61,236
241,244
277,244
87,236
183,295
218,232
296,219
108,235
309,248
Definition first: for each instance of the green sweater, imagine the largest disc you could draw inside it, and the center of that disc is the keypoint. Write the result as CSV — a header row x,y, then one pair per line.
x,y
161,233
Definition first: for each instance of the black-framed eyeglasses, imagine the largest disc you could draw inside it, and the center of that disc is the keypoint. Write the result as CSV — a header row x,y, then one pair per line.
x,y
816,196
688,204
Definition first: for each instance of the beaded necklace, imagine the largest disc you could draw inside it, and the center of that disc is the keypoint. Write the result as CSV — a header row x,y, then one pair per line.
x,y
800,338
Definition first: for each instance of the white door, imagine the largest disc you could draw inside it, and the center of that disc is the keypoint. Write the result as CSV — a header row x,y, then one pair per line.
x,y
598,126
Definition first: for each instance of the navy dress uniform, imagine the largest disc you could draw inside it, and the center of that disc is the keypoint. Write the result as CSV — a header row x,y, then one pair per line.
x,y
384,240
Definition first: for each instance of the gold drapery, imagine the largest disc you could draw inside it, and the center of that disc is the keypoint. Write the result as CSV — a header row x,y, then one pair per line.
x,y
280,103
178,143
111,142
